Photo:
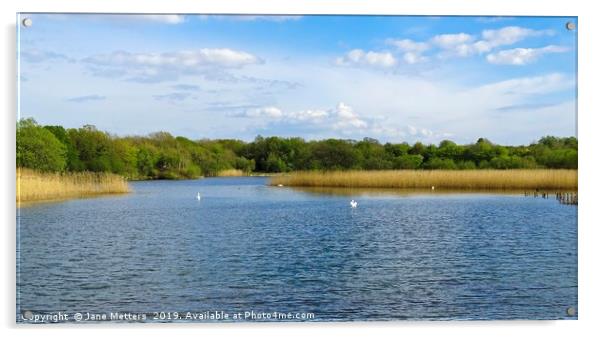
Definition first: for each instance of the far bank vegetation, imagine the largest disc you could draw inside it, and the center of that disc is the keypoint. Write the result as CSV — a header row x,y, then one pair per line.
x,y
53,148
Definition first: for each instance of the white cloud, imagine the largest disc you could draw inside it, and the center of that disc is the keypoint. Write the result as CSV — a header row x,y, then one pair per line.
x,y
413,58
404,132
464,50
412,130
448,45
518,90
309,115
342,117
493,38
412,50
510,35
347,118
463,45
203,57
401,107
451,41
262,112
370,58
409,45
522,56
148,67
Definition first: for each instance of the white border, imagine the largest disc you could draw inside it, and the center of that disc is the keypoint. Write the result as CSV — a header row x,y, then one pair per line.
x,y
589,124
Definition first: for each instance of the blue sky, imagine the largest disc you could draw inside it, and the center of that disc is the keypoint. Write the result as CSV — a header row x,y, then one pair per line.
x,y
392,78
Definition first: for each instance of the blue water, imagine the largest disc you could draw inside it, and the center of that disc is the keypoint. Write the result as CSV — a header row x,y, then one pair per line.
x,y
247,246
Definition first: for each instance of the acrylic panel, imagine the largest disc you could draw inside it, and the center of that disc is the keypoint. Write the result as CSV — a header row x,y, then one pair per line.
x,y
251,168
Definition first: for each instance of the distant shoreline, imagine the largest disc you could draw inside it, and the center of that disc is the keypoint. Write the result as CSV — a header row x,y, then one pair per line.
x,y
35,186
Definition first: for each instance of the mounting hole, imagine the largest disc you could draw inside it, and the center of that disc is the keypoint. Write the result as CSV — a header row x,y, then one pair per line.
x,y
27,22
570,25
570,311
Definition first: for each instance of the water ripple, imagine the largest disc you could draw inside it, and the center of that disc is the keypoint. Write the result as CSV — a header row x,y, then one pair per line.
x,y
247,246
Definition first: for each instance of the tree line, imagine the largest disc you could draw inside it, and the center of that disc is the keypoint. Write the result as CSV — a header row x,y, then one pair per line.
x,y
163,156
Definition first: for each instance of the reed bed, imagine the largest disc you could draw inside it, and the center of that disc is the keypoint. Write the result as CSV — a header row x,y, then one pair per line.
x,y
231,173
544,179
38,186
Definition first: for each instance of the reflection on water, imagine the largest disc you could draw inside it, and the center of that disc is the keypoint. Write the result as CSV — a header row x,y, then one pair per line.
x,y
248,246
354,191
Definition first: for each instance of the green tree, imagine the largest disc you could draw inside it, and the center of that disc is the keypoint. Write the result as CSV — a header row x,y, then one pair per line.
x,y
408,162
440,164
124,158
466,165
38,148
161,155
94,148
71,152
480,152
275,164
146,161
374,155
396,150
244,164
334,154
448,149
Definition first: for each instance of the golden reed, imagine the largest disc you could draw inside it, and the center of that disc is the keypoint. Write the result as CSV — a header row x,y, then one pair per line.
x,y
37,186
231,173
440,179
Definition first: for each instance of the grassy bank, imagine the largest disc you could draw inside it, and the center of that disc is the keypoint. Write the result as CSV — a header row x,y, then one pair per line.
x,y
440,179
38,186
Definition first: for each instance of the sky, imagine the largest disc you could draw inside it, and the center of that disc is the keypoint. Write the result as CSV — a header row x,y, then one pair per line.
x,y
393,78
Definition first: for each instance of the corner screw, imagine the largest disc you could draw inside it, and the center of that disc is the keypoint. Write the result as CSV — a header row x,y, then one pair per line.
x,y
570,311
570,25
27,22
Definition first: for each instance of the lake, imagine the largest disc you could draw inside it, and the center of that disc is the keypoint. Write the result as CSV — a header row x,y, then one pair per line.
x,y
246,246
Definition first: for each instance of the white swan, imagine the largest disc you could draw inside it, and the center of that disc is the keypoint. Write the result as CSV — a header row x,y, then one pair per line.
x,y
198,196
353,203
